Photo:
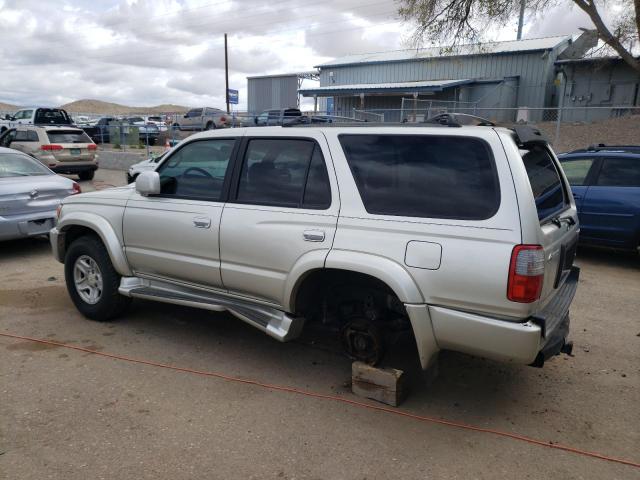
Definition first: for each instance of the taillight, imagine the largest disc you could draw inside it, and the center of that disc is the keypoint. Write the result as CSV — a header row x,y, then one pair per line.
x,y
223,119
76,188
526,273
51,147
92,146
58,211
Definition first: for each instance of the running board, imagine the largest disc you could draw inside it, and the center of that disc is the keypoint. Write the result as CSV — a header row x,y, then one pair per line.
x,y
272,321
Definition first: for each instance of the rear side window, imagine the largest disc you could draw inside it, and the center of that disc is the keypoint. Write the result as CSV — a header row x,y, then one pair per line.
x,y
577,169
620,172
284,172
68,136
548,192
424,175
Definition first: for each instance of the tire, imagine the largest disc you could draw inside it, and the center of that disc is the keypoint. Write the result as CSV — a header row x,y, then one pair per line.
x,y
87,175
108,304
210,126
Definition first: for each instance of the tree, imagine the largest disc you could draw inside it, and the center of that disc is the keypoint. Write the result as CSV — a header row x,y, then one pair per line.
x,y
468,20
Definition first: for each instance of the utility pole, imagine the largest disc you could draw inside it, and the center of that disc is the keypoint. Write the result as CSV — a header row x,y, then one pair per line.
x,y
523,4
226,73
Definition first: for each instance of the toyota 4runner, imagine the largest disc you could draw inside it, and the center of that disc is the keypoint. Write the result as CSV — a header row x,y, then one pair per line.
x,y
463,235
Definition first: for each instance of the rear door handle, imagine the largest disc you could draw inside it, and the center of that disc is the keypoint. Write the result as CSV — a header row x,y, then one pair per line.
x,y
201,222
313,235
576,196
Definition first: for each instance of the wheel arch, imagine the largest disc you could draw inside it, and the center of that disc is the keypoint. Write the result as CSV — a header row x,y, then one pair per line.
x,y
77,224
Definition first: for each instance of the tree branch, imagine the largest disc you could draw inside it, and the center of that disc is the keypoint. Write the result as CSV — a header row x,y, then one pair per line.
x,y
605,34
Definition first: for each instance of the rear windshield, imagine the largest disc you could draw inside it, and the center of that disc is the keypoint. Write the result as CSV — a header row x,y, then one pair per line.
x,y
16,165
52,116
68,136
424,175
544,178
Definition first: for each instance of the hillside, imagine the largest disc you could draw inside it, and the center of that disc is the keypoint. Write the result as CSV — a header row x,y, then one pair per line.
x,y
8,106
107,108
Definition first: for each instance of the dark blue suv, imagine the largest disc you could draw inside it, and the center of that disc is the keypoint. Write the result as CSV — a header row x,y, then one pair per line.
x,y
605,181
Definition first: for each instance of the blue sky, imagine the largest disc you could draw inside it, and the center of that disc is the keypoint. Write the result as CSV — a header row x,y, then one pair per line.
x,y
148,52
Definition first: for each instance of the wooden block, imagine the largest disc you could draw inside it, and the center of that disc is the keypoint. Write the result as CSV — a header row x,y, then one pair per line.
x,y
386,385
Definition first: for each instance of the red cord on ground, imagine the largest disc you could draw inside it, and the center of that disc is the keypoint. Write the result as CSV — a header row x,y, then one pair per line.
x,y
280,388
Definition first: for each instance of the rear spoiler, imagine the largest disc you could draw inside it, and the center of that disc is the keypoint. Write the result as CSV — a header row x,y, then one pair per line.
x,y
528,135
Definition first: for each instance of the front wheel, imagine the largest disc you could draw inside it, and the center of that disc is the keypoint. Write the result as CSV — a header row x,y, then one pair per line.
x,y
92,281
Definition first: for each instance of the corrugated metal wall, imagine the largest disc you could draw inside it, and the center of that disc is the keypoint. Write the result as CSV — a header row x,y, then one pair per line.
x,y
535,70
267,93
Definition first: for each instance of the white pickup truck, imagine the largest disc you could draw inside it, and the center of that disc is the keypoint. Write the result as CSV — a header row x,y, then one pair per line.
x,y
36,116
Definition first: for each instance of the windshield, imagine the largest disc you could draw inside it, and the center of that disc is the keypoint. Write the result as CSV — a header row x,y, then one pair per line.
x,y
16,165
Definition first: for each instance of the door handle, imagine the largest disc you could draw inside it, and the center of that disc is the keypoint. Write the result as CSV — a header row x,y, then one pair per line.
x,y
201,222
576,196
313,235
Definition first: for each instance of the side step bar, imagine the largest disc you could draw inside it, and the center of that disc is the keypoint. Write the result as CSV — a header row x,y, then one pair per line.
x,y
273,322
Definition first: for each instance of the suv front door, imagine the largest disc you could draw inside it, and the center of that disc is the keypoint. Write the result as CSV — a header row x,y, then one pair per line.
x,y
192,120
611,206
175,235
282,212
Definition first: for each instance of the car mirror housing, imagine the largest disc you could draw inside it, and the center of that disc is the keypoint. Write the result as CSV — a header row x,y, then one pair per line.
x,y
148,183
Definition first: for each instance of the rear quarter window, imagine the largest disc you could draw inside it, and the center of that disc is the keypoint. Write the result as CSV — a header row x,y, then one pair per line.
x,y
548,191
424,175
619,172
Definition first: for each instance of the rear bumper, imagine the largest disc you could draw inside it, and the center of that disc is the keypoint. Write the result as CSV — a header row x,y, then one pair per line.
x,y
70,168
530,342
26,225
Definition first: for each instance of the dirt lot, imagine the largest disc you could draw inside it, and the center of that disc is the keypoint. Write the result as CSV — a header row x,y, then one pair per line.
x,y
72,415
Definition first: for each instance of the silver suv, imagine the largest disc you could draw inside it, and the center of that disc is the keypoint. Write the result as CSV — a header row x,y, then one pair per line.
x,y
463,236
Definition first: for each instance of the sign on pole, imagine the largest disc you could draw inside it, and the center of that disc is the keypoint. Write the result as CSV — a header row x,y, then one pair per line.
x,y
233,96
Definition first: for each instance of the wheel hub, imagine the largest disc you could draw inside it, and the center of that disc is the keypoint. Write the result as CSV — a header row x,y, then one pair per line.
x,y
363,341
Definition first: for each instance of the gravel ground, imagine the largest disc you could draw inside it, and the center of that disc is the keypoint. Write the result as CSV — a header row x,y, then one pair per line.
x,y
72,415
615,131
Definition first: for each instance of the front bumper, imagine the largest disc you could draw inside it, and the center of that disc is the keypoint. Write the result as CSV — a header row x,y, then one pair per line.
x,y
529,342
26,225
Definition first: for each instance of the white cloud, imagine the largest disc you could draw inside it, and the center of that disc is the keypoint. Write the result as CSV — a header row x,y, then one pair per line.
x,y
147,52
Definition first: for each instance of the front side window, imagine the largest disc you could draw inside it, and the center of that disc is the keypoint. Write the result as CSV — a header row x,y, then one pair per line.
x,y
7,138
576,170
619,172
424,175
284,172
197,112
197,170
548,192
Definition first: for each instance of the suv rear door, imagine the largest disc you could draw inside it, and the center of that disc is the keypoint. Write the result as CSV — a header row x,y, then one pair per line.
x,y
282,212
558,219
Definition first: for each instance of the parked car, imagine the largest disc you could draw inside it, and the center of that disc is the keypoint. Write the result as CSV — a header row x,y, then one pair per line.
x,y
206,118
63,149
158,122
283,116
148,131
605,181
36,116
30,193
463,237
147,165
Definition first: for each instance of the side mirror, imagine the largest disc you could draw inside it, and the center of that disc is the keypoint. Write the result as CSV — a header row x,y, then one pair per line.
x,y
255,120
185,115
148,183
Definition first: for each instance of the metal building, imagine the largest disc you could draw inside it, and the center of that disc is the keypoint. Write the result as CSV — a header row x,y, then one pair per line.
x,y
607,83
476,78
274,92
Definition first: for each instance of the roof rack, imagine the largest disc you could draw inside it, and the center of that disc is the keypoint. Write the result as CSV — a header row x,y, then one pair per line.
x,y
601,147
